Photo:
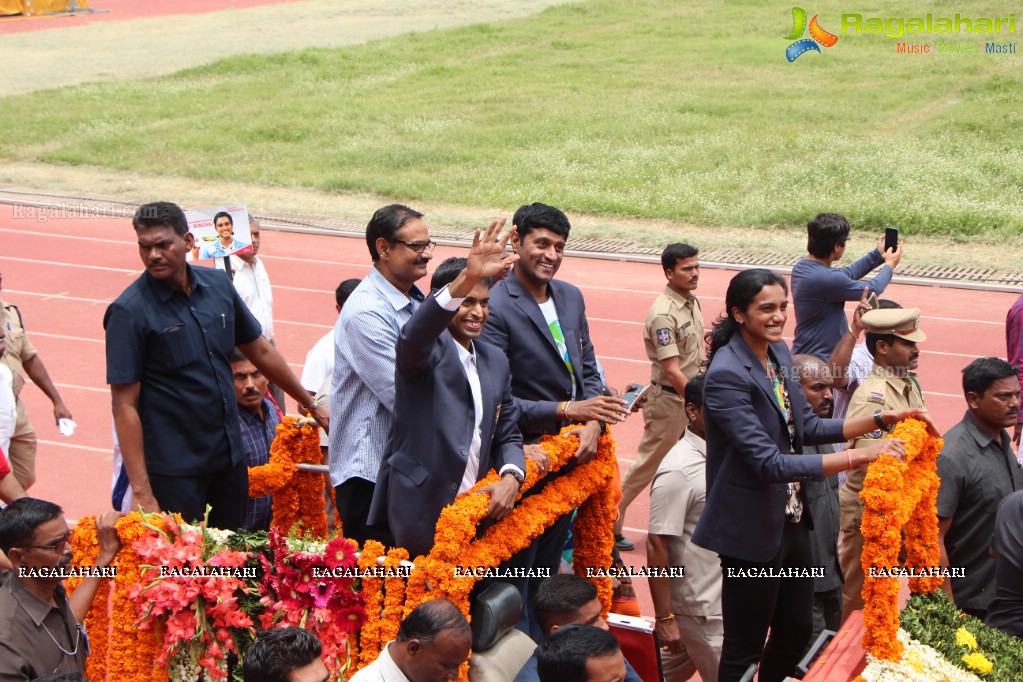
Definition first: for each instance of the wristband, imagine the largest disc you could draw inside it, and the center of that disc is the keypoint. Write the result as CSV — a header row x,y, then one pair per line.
x,y
568,405
665,619
877,420
849,454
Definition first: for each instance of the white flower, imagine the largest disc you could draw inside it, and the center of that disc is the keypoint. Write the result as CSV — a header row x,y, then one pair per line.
x,y
920,663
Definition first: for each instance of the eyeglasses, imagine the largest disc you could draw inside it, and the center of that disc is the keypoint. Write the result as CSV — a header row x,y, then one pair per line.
x,y
419,247
53,546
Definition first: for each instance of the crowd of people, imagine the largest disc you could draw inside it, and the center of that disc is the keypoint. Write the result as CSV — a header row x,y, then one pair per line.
x,y
754,454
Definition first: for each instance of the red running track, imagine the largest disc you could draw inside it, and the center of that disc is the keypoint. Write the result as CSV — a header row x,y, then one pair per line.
x,y
63,273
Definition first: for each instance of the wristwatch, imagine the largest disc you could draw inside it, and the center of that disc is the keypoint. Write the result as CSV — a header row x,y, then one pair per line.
x,y
516,474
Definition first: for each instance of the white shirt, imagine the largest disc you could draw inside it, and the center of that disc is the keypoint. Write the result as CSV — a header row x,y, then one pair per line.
x,y
468,358
381,670
550,315
319,363
253,285
8,411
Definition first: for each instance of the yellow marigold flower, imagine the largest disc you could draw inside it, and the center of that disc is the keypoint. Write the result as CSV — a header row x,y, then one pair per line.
x,y
965,638
978,662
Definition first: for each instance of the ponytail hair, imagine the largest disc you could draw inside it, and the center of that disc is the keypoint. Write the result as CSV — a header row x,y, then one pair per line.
x,y
743,288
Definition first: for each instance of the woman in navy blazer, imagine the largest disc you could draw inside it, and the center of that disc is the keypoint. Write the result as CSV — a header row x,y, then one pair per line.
x,y
757,420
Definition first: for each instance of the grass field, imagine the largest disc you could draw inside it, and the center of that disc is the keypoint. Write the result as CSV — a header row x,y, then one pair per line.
x,y
670,110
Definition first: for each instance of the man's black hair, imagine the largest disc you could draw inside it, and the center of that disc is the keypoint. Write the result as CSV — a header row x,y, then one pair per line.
x,y
562,655
431,618
278,651
537,216
19,520
560,596
825,232
385,223
161,214
982,372
448,270
673,253
344,290
694,390
237,355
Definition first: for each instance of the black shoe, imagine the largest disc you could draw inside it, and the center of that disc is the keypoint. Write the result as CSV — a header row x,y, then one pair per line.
x,y
624,544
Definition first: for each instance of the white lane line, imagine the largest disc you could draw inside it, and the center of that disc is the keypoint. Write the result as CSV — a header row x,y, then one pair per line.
x,y
58,297
66,337
105,451
55,235
77,387
35,261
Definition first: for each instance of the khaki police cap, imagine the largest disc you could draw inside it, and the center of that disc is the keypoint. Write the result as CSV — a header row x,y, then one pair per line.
x,y
901,322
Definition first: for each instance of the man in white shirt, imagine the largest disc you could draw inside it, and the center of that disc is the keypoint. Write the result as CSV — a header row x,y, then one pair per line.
x,y
252,283
454,418
687,610
319,361
432,643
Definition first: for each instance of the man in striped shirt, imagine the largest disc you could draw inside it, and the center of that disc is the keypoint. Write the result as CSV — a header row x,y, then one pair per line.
x,y
365,335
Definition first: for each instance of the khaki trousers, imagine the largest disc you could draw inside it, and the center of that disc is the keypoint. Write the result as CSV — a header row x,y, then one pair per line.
x,y
22,455
664,422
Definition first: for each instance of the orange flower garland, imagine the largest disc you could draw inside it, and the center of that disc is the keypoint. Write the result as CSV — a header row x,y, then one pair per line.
x,y
896,494
594,534
456,527
394,596
372,589
85,545
132,651
297,495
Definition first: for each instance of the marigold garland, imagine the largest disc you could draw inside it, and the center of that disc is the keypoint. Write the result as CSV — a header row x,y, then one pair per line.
x,y
297,495
594,534
85,547
394,595
895,495
456,528
372,590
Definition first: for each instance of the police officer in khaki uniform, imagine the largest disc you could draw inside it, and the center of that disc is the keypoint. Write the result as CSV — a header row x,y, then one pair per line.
x,y
892,336
22,358
674,343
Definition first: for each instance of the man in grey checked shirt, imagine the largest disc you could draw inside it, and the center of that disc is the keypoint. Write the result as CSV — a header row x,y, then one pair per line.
x,y
365,335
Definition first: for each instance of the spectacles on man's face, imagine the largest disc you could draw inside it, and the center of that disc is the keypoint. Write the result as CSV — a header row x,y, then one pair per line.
x,y
419,247
54,546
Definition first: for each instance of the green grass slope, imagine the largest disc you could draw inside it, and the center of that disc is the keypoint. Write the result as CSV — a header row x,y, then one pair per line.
x,y
676,110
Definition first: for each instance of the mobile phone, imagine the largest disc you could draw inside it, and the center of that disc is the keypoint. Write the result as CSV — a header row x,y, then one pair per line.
x,y
872,301
891,238
634,394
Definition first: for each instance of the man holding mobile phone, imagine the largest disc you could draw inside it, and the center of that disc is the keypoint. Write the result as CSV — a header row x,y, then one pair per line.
x,y
673,336
819,292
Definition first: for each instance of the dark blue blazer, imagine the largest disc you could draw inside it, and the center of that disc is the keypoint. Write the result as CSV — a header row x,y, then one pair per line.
x,y
748,446
540,379
433,425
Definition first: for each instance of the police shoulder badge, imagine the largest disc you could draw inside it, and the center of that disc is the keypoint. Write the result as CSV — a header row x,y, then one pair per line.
x,y
664,336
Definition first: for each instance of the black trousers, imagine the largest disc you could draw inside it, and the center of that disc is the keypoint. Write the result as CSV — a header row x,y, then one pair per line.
x,y
353,500
751,606
225,491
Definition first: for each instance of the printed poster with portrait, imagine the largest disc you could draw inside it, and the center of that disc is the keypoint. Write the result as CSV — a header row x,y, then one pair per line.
x,y
219,232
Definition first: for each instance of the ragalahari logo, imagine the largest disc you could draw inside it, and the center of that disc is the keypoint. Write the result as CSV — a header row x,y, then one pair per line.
x,y
817,35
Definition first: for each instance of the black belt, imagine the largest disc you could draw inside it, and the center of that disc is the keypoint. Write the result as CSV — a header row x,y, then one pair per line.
x,y
669,388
